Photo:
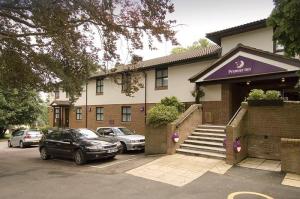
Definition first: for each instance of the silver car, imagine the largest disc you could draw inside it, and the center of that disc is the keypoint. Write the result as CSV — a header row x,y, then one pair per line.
x,y
129,140
23,138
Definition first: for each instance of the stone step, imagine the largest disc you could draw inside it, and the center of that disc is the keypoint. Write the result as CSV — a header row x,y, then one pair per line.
x,y
205,138
204,143
207,126
201,153
219,135
210,130
203,148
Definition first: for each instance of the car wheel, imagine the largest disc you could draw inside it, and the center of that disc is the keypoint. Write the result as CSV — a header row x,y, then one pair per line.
x,y
9,144
124,148
43,153
21,145
79,157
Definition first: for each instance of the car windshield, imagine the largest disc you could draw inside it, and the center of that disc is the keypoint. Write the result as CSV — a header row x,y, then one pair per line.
x,y
124,131
86,133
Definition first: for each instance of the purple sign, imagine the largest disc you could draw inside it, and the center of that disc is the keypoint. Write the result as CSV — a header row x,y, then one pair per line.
x,y
243,66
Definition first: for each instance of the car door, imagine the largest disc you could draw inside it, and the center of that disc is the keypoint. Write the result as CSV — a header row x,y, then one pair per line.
x,y
66,145
51,142
18,137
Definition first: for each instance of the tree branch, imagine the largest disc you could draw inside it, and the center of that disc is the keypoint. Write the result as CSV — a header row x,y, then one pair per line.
x,y
16,19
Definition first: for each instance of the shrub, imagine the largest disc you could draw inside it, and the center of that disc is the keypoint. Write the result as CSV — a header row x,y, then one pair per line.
x,y
256,94
173,101
45,129
272,95
161,115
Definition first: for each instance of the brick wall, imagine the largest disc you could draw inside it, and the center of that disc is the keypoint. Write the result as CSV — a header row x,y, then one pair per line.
x,y
266,125
219,111
290,158
112,117
263,128
50,116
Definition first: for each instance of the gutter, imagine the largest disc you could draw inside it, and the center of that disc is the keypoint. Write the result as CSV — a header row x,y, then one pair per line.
x,y
86,106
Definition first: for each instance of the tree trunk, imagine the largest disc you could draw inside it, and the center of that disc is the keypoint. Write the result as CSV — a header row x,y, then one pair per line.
x,y
2,132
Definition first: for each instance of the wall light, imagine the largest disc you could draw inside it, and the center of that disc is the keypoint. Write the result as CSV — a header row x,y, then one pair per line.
x,y
248,83
283,79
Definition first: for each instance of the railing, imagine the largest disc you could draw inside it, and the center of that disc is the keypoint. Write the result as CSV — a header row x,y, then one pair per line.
x,y
234,116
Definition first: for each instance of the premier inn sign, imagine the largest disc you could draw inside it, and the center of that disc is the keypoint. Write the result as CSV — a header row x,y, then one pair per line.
x,y
243,66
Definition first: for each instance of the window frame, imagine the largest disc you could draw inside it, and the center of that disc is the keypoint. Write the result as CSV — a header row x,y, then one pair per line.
x,y
78,113
101,114
57,114
161,78
56,94
127,114
100,86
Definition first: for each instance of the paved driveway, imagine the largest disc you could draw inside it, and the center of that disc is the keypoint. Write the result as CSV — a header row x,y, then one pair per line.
x,y
23,175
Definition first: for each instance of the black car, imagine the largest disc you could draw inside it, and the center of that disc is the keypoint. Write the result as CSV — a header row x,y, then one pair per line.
x,y
78,144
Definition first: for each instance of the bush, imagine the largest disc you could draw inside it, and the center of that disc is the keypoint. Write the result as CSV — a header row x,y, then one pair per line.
x,y
173,101
161,114
45,129
256,94
273,95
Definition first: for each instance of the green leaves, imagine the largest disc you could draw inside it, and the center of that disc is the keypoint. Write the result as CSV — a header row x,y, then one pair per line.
x,y
18,107
285,19
43,42
161,115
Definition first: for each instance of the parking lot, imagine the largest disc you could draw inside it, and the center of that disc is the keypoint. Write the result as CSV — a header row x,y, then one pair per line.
x,y
24,175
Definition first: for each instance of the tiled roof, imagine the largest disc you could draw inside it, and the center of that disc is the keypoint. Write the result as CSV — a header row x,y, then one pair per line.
x,y
208,52
216,36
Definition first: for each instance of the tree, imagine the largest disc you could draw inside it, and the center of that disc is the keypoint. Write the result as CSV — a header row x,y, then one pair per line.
x,y
201,43
18,107
285,19
43,42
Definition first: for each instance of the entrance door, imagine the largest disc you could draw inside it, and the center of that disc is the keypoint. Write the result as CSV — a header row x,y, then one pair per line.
x,y
66,117
239,93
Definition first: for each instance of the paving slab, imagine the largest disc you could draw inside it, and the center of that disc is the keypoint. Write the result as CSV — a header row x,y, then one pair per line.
x,y
179,170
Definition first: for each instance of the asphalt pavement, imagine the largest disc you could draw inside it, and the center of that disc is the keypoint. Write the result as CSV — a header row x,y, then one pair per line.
x,y
23,175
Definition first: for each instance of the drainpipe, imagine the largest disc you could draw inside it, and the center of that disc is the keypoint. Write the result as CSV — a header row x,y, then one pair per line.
x,y
86,106
145,102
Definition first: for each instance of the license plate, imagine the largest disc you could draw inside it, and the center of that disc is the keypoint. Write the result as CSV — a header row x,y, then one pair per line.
x,y
112,150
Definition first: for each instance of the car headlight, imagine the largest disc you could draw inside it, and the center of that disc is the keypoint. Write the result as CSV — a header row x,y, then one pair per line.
x,y
94,147
133,141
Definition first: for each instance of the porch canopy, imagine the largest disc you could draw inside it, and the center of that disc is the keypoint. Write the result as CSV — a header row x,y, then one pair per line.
x,y
245,64
60,103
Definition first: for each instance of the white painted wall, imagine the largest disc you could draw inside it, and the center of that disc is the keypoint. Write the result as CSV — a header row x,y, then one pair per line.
x,y
261,38
178,85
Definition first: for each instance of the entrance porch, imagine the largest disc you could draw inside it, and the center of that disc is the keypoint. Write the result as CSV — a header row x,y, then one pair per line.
x,y
60,112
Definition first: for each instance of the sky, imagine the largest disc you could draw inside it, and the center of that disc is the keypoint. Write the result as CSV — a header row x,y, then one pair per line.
x,y
203,16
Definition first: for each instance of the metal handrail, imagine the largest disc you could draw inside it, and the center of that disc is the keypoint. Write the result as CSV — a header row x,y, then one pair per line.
x,y
231,120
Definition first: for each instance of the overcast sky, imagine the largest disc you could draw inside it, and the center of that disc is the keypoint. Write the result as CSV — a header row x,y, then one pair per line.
x,y
203,16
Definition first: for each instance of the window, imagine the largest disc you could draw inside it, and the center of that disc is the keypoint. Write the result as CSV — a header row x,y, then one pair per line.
x,y
126,114
78,113
278,47
126,81
55,135
99,113
161,78
57,113
105,131
56,94
67,94
99,86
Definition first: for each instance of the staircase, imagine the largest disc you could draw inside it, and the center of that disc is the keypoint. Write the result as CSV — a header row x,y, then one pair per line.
x,y
205,141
